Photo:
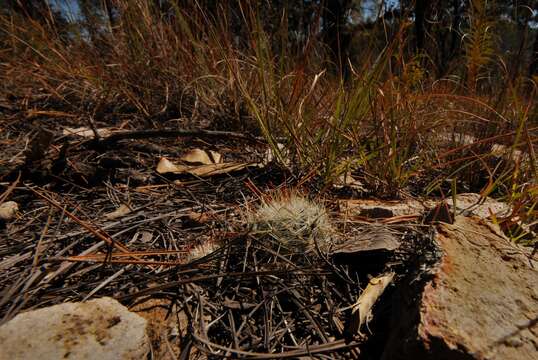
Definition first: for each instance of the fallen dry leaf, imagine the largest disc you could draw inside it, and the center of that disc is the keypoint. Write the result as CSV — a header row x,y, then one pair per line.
x,y
145,237
217,158
361,311
202,157
119,212
8,210
166,166
86,132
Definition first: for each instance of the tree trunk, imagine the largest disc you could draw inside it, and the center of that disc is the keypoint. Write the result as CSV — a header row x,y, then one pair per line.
x,y
522,31
420,10
533,67
335,35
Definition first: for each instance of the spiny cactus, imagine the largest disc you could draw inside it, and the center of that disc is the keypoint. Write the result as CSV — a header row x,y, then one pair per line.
x,y
295,222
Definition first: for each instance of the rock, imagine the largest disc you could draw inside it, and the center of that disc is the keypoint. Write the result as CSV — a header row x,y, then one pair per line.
x,y
482,302
99,329
498,150
442,213
8,210
382,208
468,204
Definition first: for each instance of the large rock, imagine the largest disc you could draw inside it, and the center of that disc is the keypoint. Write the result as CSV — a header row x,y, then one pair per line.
x,y
467,204
483,207
378,209
99,329
482,302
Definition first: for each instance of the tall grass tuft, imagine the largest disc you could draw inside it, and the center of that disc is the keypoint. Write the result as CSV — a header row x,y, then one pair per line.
x,y
390,121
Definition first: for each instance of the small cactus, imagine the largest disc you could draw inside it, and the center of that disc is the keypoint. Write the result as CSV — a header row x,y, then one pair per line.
x,y
295,222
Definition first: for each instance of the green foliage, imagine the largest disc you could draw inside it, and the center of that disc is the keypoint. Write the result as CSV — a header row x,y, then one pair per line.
x,y
478,42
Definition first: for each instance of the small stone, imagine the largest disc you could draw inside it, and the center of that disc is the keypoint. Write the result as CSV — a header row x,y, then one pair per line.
x,y
99,329
8,210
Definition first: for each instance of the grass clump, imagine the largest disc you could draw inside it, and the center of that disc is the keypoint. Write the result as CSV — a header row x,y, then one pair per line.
x,y
386,110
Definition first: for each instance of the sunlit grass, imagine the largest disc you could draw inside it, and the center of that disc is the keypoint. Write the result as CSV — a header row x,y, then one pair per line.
x,y
388,120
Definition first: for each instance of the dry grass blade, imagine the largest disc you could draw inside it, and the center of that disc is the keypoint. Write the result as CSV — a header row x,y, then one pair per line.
x,y
96,232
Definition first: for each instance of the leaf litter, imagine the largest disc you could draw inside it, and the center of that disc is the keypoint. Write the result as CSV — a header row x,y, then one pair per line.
x,y
181,234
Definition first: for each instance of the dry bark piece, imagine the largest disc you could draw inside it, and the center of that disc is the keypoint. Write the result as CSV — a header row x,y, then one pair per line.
x,y
30,114
370,239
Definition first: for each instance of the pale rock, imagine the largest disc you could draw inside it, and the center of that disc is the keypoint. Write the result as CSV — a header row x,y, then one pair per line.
x,y
378,209
99,329
483,207
8,210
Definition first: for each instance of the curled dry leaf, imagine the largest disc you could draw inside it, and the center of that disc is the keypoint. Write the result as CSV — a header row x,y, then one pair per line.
x,y
166,166
8,210
217,157
145,237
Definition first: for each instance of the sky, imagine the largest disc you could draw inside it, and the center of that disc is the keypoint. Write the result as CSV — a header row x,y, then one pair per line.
x,y
68,8
71,10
